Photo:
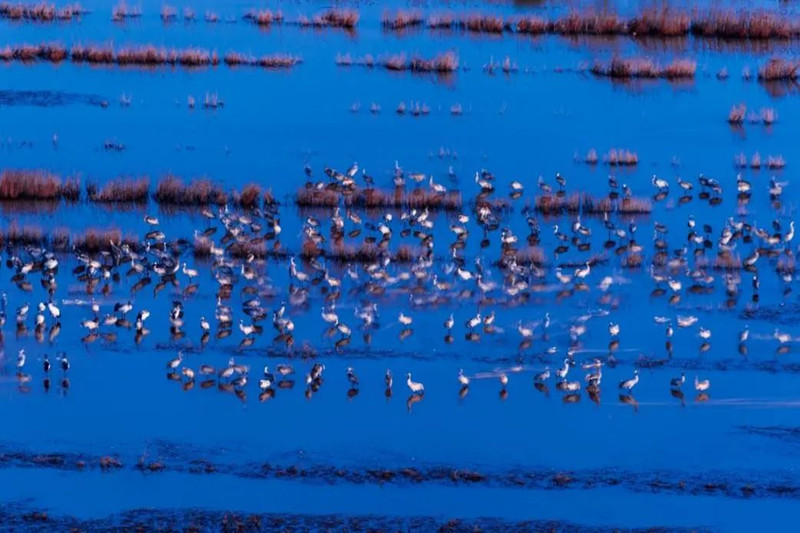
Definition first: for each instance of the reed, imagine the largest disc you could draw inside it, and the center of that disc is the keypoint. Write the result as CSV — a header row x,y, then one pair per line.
x,y
332,18
313,197
40,11
26,235
661,22
401,20
172,191
132,190
778,69
532,25
621,157
269,61
645,68
737,114
399,197
441,63
264,17
122,11
730,24
587,204
36,185
532,255
591,23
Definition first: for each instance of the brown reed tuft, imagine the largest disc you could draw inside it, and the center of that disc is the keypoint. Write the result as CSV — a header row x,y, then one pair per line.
x,y
134,190
171,190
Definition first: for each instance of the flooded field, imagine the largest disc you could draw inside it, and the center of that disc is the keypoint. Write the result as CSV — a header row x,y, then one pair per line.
x,y
410,266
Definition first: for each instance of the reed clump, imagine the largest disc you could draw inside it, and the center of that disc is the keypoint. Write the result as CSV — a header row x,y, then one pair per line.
x,y
731,24
576,23
584,203
317,197
661,22
399,197
40,11
641,67
132,190
122,11
778,69
332,18
441,63
26,235
36,185
94,240
264,17
268,61
172,191
401,20
737,114
621,157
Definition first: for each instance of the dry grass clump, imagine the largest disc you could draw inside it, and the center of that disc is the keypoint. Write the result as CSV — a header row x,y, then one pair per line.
x,y
36,185
40,12
121,11
270,61
732,24
314,197
441,63
533,255
737,114
399,197
645,68
264,17
621,157
775,162
401,20
476,22
202,246
22,235
727,261
591,157
778,69
532,25
120,190
251,196
98,240
332,18
662,22
146,55
53,52
585,203
171,190
590,23
632,261
768,115
91,54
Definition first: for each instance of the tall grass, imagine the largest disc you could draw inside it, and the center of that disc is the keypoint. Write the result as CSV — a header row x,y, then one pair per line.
x,y
36,185
642,67
172,190
40,11
121,190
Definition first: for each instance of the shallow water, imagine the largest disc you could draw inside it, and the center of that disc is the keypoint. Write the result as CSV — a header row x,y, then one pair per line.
x,y
721,461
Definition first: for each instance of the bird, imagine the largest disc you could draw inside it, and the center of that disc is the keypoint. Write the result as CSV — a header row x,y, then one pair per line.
x,y
414,386
20,359
404,319
352,378
701,386
462,379
677,383
542,376
388,379
613,329
172,364
562,372
629,384
503,377
46,364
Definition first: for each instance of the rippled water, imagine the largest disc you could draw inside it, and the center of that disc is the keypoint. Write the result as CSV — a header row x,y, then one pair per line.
x,y
533,458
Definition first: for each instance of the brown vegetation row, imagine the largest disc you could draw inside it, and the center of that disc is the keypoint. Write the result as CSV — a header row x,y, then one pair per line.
x,y
441,63
146,55
640,67
40,12
587,204
332,18
664,22
42,185
364,253
91,240
376,198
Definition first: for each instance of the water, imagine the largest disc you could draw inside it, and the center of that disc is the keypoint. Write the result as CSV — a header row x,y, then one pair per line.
x,y
724,460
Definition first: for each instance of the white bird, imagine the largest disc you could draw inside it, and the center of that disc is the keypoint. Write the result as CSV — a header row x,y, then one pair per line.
x,y
91,325
744,335
542,376
54,311
462,379
20,359
405,320
676,383
174,363
247,330
191,273
705,333
415,386
151,220
629,384
613,329
503,379
782,337
524,331
563,371
701,386
686,321
204,325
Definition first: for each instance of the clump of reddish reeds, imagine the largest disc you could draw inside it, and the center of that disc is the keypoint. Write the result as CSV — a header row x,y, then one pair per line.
x,y
401,20
314,197
399,197
778,69
53,52
36,185
727,261
143,56
95,240
532,25
332,18
590,23
662,22
585,203
121,11
532,255
441,63
591,157
270,61
120,190
775,162
737,114
40,12
17,235
730,24
264,17
171,190
168,13
252,196
621,157
645,68
475,22
768,115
